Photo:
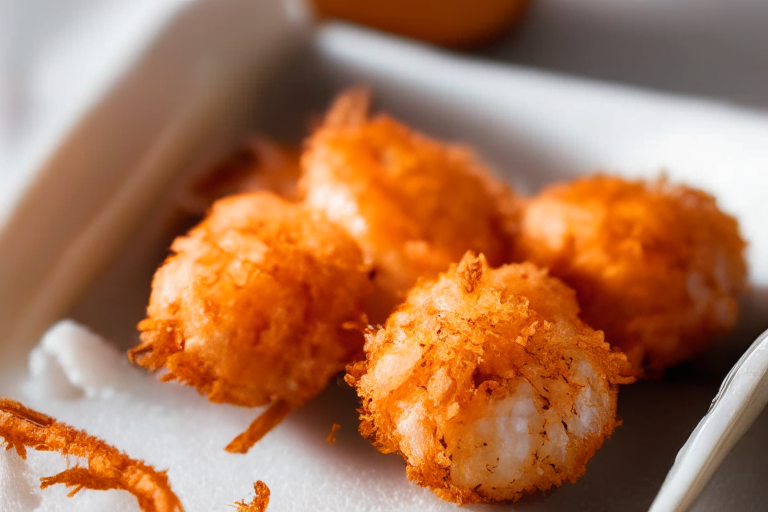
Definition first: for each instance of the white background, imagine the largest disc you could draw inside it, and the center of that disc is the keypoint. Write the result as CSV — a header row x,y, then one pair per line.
x,y
706,48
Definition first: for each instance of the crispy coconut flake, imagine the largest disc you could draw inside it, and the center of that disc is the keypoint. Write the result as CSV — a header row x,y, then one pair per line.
x,y
107,468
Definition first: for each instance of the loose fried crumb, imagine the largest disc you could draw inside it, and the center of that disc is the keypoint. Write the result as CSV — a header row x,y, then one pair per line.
x,y
332,435
108,468
268,420
259,502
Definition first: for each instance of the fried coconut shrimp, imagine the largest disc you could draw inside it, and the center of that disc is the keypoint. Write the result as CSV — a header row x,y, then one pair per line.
x,y
488,384
413,204
656,266
108,468
261,303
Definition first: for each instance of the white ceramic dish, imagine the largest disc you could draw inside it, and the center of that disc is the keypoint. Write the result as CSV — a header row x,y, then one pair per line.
x,y
741,398
84,238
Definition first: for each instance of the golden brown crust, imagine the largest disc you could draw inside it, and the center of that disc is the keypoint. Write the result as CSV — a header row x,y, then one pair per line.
x,y
658,267
261,302
108,468
452,355
414,205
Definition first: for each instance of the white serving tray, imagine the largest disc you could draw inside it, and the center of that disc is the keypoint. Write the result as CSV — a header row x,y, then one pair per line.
x,y
84,238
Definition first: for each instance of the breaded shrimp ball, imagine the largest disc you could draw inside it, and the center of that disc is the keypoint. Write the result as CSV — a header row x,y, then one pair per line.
x,y
488,384
415,205
658,267
261,302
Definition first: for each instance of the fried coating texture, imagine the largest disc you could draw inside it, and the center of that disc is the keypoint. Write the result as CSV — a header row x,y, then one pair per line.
x,y
414,205
259,503
488,384
656,266
261,303
108,468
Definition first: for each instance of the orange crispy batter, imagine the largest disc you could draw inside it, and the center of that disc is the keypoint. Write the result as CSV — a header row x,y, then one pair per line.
x,y
656,266
414,205
260,303
259,502
108,468
488,384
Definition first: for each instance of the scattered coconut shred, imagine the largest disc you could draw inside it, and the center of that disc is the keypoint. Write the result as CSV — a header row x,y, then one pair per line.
x,y
71,363
107,467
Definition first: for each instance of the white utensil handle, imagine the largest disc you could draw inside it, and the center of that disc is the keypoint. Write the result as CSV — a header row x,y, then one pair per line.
x,y
741,397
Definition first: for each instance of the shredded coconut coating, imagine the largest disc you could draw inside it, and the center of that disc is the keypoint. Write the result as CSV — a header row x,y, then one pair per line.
x,y
107,467
260,303
415,205
656,266
488,384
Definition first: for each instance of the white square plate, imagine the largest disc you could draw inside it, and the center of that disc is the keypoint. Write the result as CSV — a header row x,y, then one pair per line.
x,y
83,240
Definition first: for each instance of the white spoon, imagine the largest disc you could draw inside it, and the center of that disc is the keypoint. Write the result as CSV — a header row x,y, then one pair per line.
x,y
741,397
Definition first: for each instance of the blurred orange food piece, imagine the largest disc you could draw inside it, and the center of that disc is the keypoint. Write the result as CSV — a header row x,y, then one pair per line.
x,y
454,23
